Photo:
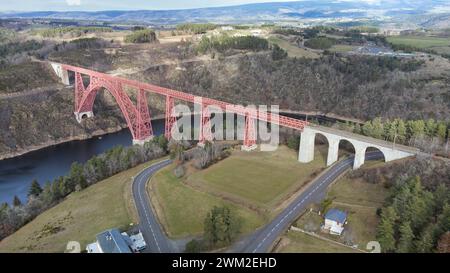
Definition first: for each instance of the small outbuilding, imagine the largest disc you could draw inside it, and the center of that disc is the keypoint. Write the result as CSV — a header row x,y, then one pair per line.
x,y
334,221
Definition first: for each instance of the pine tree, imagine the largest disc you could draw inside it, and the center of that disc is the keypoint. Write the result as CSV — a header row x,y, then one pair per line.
x,y
390,130
402,202
357,129
425,242
405,243
47,194
401,129
443,220
378,130
420,205
56,191
385,231
16,201
3,207
441,130
417,128
430,127
367,128
220,226
35,188
441,195
75,175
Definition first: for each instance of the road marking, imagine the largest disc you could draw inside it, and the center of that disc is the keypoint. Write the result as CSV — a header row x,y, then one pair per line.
x,y
148,172
146,213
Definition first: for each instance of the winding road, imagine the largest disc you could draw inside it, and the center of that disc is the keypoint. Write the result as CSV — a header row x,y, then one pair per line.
x,y
262,240
157,241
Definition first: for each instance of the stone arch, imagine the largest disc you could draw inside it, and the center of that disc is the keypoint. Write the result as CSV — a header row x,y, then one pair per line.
x,y
307,146
346,145
321,136
374,153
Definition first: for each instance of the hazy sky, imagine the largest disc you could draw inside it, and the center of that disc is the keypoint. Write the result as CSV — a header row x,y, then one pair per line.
x,y
62,5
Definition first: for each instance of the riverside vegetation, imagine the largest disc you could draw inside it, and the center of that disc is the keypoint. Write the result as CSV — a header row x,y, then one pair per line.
x,y
80,176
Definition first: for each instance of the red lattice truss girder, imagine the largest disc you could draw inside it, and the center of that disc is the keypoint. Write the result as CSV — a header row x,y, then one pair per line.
x,y
205,133
170,117
138,117
250,131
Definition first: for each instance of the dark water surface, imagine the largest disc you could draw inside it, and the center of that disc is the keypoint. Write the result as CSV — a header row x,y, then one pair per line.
x,y
49,163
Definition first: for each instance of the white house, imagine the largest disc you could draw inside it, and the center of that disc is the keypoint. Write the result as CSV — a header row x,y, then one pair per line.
x,y
112,241
109,241
334,221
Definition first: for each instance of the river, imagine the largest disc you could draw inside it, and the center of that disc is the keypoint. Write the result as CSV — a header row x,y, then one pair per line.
x,y
16,174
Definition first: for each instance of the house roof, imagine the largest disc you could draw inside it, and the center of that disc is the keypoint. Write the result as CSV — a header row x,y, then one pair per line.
x,y
111,241
336,215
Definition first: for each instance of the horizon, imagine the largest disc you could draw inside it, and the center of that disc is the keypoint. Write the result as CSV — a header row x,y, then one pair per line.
x,y
88,6
115,5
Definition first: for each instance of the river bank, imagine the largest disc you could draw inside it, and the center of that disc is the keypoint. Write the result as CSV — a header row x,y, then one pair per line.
x,y
96,133
47,144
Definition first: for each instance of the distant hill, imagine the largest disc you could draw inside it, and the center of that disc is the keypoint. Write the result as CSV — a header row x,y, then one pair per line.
x,y
279,11
440,21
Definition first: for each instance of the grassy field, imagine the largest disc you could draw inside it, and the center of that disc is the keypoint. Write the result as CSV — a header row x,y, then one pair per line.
x,y
292,50
360,200
258,179
362,223
79,217
358,192
342,48
298,242
251,183
182,209
419,41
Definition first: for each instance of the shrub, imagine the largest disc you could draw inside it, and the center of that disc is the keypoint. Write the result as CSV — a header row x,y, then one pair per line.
x,y
278,53
325,204
141,36
195,246
293,142
179,171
